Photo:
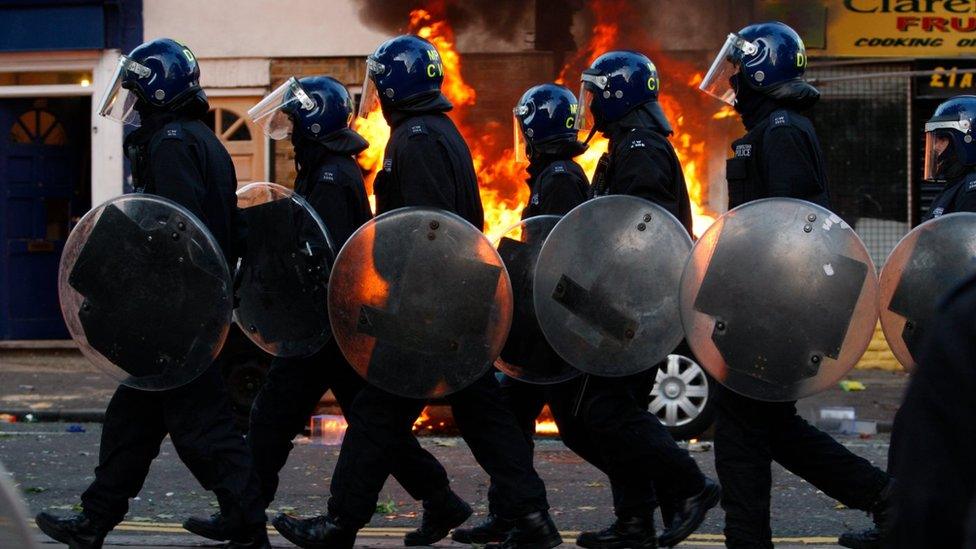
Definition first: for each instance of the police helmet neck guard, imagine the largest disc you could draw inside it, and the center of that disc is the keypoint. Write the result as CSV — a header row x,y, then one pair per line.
x,y
616,83
950,146
765,56
401,69
545,120
159,75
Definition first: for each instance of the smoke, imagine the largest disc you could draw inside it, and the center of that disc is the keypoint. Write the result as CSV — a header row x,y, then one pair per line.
x,y
499,18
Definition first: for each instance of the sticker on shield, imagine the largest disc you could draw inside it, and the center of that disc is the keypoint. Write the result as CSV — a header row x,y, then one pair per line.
x,y
928,262
420,302
282,280
779,299
606,285
527,356
145,291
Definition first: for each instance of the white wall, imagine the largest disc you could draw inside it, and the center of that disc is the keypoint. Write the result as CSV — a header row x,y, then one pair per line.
x,y
260,28
289,28
106,137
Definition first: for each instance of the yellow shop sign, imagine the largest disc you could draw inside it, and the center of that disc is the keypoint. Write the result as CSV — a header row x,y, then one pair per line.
x,y
901,28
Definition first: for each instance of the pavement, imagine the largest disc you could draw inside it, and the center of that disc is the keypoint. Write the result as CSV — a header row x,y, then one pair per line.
x,y
52,462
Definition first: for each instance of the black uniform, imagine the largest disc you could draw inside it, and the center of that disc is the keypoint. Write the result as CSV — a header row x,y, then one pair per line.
x,y
427,163
957,196
936,478
332,183
557,184
639,452
178,157
779,156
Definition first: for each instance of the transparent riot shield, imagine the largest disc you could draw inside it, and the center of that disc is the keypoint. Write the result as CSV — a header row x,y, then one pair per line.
x,y
927,262
606,285
282,281
420,302
145,291
13,520
527,356
779,299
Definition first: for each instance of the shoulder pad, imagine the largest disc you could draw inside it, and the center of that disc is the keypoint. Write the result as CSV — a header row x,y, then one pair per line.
x,y
173,130
779,118
636,142
328,174
970,184
416,128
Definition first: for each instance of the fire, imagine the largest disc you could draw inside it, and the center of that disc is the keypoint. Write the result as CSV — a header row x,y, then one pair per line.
x,y
545,425
500,177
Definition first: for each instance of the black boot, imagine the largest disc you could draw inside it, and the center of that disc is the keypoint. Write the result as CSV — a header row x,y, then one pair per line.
x,y
215,527
689,514
440,516
533,531
322,532
493,529
77,531
636,532
252,537
881,514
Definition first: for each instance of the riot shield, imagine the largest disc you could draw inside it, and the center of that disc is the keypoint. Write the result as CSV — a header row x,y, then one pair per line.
x,y
527,356
420,302
927,262
779,299
606,285
282,281
145,291
13,521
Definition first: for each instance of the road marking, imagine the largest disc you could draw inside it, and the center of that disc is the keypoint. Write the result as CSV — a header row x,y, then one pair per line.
x,y
399,531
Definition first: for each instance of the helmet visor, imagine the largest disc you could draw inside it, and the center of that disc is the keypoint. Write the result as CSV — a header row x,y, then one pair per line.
x,y
716,82
370,98
520,140
119,102
589,85
936,143
273,113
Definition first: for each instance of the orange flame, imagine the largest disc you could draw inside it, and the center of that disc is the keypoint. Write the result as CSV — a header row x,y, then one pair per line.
x,y
500,177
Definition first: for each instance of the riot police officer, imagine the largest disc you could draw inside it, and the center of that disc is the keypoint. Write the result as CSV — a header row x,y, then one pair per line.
x,y
937,482
428,164
950,159
545,137
619,94
315,112
950,156
174,155
759,71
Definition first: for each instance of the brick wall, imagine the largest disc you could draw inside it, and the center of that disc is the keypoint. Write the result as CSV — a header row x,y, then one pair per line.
x,y
498,79
348,70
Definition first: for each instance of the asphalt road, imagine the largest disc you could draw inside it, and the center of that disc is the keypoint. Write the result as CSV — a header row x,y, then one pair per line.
x,y
52,463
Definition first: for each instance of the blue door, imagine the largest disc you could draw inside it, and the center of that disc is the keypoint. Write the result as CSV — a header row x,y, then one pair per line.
x,y
39,174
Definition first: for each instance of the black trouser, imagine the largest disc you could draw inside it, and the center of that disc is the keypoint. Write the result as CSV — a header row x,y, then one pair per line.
x,y
526,401
635,450
199,421
380,422
750,434
289,396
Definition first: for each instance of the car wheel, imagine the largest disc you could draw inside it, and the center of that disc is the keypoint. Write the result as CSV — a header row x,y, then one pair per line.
x,y
681,397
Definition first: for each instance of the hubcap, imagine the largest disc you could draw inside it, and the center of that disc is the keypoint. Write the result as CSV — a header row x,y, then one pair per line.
x,y
680,391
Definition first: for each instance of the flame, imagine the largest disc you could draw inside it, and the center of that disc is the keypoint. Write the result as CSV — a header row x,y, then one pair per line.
x,y
500,177
545,425
423,421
